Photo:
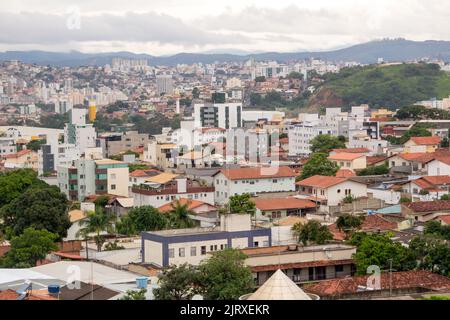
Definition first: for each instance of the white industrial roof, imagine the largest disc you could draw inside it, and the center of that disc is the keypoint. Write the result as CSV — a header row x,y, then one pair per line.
x,y
11,275
88,271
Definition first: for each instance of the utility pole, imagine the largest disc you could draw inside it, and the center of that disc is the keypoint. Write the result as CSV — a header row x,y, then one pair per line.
x,y
390,277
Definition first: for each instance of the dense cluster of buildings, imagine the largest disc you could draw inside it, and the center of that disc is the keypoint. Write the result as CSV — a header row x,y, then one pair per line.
x,y
221,150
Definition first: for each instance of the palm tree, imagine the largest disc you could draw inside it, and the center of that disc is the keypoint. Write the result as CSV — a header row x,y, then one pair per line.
x,y
97,222
179,215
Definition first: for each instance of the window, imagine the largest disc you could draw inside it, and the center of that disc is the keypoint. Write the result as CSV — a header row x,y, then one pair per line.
x,y
275,181
339,268
203,250
256,244
171,253
339,191
113,187
181,252
193,251
217,181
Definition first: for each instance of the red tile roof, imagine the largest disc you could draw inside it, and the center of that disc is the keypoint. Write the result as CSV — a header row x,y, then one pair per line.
x,y
12,295
345,173
283,204
443,159
372,223
321,181
259,173
421,157
143,173
428,206
351,150
346,156
444,219
432,182
426,141
192,205
18,154
400,280
374,160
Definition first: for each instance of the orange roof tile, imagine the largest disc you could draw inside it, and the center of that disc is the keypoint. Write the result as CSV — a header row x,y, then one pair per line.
x,y
321,181
346,156
18,154
258,173
283,204
351,150
143,173
421,157
345,173
426,141
192,205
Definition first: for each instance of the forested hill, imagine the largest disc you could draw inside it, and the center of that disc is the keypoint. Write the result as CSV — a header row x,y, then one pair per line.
x,y
390,86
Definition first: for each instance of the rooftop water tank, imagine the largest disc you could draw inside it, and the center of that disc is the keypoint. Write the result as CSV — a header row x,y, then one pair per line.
x,y
142,282
53,289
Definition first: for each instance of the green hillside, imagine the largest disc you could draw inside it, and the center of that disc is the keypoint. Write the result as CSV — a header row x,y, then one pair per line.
x,y
391,86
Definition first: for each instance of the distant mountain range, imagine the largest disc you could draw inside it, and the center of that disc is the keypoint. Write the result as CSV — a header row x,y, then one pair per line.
x,y
398,50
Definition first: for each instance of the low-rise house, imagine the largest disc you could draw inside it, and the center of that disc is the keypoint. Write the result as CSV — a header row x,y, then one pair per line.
x,y
427,188
176,247
164,189
426,210
24,159
141,176
231,182
301,264
439,166
277,208
350,161
203,214
120,205
422,144
330,191
161,155
371,224
410,163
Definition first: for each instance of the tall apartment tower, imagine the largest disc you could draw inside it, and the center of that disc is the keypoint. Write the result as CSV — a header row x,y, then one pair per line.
x,y
218,115
164,84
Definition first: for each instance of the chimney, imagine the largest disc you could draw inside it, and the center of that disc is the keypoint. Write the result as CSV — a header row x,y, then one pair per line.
x,y
182,185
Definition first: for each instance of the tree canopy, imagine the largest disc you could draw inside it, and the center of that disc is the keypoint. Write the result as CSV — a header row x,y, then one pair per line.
x,y
242,204
312,233
224,276
38,208
28,248
145,218
324,143
319,164
177,283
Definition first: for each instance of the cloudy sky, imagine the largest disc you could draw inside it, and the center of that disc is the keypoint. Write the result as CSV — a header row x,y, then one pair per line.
x,y
162,27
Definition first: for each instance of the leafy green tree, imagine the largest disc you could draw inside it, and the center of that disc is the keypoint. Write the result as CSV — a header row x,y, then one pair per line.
x,y
379,249
374,171
28,248
179,216
135,295
435,228
242,204
134,167
319,164
349,223
145,218
312,233
195,93
35,145
433,254
96,223
445,197
15,183
101,201
177,283
225,276
37,208
324,143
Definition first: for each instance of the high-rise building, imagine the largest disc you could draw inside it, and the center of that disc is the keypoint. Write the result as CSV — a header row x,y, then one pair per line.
x,y
164,84
218,115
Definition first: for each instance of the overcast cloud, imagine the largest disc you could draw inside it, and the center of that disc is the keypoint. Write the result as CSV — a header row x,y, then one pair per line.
x,y
171,26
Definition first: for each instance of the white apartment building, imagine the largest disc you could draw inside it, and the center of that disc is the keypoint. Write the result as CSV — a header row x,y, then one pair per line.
x,y
164,84
218,115
157,194
270,70
231,182
176,247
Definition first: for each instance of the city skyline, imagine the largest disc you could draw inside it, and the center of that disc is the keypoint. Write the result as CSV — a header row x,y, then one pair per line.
x,y
170,27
